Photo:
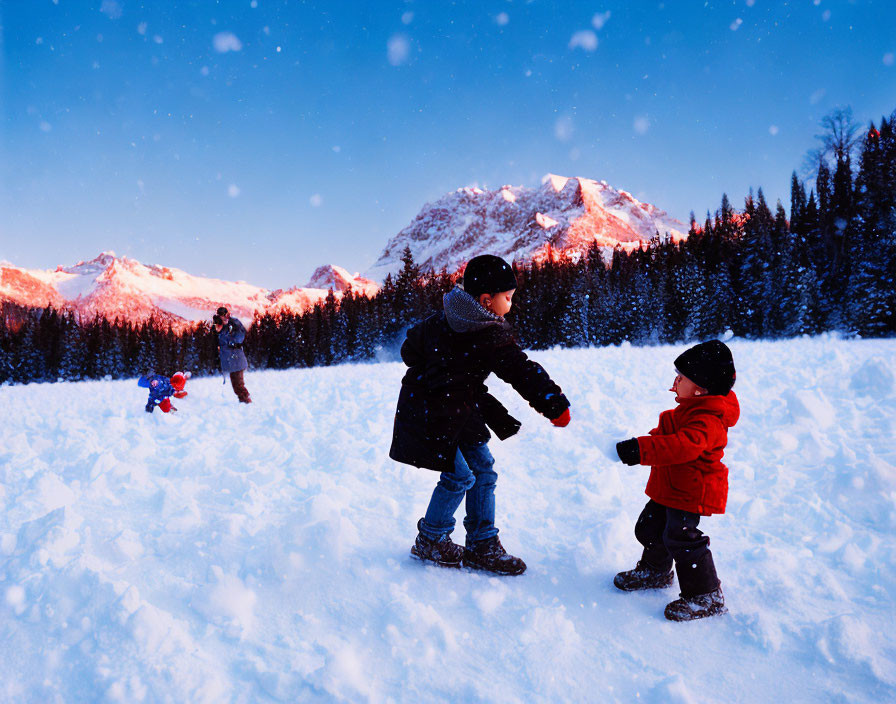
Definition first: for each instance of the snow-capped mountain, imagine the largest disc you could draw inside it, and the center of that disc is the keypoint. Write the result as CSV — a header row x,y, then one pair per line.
x,y
335,277
565,215
122,287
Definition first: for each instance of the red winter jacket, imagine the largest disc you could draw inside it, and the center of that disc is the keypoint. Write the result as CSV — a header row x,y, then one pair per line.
x,y
684,453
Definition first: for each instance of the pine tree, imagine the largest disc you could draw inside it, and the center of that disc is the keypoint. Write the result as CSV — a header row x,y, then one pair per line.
x,y
74,350
409,300
869,293
797,202
778,273
720,292
29,363
6,343
573,323
757,251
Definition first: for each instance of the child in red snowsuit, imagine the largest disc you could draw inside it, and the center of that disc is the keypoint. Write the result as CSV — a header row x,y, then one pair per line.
x,y
687,481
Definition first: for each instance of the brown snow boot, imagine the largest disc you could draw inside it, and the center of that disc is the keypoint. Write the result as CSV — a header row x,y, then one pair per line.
x,y
691,608
442,551
490,555
239,387
643,577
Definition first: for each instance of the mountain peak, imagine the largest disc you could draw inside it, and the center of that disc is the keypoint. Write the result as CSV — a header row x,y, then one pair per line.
x,y
566,215
340,280
558,183
100,263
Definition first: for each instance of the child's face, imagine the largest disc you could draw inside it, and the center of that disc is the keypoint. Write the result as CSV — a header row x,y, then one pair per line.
x,y
685,388
499,303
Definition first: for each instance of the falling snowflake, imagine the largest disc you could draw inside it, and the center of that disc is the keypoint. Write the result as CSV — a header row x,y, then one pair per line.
x,y
564,128
585,40
773,130
736,24
502,19
226,41
398,48
641,124
233,190
316,200
600,19
111,9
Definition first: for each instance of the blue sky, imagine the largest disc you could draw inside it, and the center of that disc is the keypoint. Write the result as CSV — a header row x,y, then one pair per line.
x,y
257,139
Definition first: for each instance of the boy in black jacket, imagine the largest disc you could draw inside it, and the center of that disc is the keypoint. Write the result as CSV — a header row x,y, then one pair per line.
x,y
444,408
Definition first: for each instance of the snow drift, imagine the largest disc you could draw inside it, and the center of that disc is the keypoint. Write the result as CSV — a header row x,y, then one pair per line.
x,y
234,554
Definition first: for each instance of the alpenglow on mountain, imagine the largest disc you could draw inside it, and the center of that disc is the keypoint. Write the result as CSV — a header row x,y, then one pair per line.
x,y
121,287
564,215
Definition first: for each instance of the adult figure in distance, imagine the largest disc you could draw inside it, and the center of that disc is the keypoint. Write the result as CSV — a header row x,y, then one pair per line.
x,y
231,334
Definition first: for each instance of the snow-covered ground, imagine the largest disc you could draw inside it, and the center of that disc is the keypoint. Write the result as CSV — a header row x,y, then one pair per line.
x,y
244,554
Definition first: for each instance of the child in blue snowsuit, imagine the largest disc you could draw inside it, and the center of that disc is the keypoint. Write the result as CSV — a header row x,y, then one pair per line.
x,y
161,389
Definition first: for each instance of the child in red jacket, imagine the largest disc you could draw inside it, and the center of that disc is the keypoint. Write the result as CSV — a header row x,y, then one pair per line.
x,y
687,480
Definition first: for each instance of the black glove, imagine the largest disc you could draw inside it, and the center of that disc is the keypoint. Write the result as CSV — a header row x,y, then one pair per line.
x,y
629,452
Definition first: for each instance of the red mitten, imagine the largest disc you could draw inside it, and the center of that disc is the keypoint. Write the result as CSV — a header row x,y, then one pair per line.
x,y
165,405
562,420
180,394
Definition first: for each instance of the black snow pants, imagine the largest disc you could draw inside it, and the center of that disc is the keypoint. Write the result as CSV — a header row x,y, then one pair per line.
x,y
669,534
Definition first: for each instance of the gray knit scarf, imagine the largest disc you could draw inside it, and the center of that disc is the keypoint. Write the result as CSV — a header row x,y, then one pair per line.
x,y
464,314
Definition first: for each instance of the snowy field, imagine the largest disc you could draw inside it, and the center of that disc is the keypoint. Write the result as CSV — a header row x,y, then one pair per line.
x,y
259,554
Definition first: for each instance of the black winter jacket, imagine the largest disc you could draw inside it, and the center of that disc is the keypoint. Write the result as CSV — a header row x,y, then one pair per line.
x,y
444,400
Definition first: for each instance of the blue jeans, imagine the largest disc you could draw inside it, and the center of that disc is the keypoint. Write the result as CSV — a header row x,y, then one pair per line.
x,y
474,477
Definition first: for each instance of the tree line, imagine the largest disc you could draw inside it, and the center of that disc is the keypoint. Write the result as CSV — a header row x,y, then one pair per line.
x,y
829,266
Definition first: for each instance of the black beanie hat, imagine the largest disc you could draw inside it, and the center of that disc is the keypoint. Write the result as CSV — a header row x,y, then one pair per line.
x,y
222,311
709,365
488,274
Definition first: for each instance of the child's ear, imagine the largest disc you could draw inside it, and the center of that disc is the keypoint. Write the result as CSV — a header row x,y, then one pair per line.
x,y
485,300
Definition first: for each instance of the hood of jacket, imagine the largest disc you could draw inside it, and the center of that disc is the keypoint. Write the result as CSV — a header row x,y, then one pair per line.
x,y
464,314
725,407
